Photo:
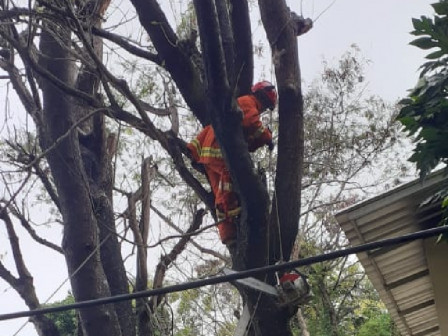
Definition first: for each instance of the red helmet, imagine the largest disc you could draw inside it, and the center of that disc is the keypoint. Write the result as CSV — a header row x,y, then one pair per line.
x,y
266,93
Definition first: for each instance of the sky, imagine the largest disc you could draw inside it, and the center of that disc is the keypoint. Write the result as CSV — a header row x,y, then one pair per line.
x,y
379,28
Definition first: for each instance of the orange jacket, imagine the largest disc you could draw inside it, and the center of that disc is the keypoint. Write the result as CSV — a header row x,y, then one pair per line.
x,y
205,148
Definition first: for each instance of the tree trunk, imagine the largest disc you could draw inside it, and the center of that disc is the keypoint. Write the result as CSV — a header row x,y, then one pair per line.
x,y
328,308
80,239
252,248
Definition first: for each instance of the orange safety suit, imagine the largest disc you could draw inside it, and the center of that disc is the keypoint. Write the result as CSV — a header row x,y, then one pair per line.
x,y
205,150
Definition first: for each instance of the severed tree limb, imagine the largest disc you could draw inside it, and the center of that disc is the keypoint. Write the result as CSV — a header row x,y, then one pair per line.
x,y
141,281
302,323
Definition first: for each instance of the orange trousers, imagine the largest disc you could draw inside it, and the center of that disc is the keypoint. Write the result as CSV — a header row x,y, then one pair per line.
x,y
226,200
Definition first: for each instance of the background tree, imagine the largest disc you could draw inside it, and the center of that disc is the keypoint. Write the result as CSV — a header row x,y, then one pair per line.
x,y
350,139
67,322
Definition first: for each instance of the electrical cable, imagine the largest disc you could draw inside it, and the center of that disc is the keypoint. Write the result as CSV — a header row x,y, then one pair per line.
x,y
235,276
68,278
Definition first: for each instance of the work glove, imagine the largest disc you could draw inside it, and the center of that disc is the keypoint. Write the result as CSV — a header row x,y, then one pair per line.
x,y
270,145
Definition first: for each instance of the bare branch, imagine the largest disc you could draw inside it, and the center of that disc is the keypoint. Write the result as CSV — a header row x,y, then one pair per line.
x,y
7,276
61,138
22,270
122,42
24,95
27,226
166,260
198,246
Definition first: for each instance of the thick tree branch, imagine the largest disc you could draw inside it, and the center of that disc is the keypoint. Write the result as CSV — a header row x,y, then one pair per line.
x,y
243,48
226,33
80,224
6,275
226,123
176,60
24,283
279,27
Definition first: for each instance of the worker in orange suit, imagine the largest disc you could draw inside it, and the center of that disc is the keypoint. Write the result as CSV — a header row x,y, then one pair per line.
x,y
205,150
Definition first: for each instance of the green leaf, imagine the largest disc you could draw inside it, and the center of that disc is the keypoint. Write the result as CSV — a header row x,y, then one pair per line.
x,y
424,43
421,26
407,122
435,54
445,202
441,8
405,101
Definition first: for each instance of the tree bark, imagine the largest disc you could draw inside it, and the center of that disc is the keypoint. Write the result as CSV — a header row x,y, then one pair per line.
x,y
329,308
176,59
302,323
252,249
97,161
282,38
80,239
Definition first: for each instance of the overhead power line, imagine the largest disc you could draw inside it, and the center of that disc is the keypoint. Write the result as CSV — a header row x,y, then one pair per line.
x,y
235,276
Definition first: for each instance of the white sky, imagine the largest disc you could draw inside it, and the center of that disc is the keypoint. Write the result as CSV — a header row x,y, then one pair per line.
x,y
380,28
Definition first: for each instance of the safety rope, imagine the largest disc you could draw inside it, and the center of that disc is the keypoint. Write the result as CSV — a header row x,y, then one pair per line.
x,y
274,193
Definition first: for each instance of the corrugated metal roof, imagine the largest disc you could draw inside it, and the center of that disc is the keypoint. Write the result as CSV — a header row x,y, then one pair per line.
x,y
401,274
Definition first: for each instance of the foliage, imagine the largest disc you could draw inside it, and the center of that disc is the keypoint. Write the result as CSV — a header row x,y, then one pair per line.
x,y
424,113
380,325
66,321
351,137
206,311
